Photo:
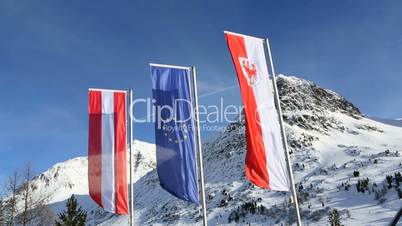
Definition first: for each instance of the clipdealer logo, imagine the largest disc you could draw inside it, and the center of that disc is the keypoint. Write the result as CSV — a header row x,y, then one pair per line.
x,y
214,117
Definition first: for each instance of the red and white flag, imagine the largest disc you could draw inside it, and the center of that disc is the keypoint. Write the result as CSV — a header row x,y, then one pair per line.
x,y
107,139
265,158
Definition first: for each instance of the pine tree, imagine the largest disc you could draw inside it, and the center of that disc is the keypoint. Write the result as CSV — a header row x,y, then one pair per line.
x,y
334,218
73,216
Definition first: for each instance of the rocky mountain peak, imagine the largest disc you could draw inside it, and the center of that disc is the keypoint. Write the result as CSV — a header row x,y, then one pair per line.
x,y
307,105
298,94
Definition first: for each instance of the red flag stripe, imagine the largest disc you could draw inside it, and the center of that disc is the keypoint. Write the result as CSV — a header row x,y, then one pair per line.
x,y
256,165
95,146
120,153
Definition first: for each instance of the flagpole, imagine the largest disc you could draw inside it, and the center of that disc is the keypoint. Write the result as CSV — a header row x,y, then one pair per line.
x,y
199,150
131,161
285,143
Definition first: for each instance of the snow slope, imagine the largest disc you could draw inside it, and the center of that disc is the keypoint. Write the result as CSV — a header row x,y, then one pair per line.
x,y
70,177
329,140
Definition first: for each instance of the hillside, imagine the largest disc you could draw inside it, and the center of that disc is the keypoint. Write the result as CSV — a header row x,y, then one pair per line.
x,y
331,142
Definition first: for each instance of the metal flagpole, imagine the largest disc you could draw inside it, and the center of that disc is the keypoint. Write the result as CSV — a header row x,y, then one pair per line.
x,y
396,218
131,161
200,166
285,143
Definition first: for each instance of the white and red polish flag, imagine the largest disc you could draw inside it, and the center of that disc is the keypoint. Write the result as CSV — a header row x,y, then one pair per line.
x,y
107,139
265,158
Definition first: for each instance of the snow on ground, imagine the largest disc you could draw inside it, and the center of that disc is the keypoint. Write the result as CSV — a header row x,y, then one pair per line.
x,y
347,153
338,155
71,177
329,139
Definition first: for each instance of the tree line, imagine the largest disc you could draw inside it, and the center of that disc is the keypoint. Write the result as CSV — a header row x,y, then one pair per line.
x,y
20,205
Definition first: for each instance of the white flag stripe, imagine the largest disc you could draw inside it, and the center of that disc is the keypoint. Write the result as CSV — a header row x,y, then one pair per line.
x,y
268,116
108,148
107,102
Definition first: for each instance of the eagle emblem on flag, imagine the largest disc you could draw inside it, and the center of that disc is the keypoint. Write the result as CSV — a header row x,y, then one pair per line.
x,y
249,69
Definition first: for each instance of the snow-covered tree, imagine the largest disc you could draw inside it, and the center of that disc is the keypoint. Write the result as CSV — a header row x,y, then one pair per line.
x,y
334,218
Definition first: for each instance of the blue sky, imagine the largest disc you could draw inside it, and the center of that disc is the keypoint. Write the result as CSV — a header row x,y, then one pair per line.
x,y
51,52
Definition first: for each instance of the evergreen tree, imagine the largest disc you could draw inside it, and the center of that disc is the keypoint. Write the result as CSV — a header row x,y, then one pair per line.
x,y
73,216
334,218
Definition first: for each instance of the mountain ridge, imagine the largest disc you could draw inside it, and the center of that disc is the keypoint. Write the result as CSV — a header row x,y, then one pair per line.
x,y
329,139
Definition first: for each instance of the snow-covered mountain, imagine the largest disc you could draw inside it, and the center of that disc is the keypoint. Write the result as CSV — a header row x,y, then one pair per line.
x,y
70,177
334,148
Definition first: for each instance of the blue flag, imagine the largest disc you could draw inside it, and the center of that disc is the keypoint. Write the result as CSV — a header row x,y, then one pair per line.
x,y
174,132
